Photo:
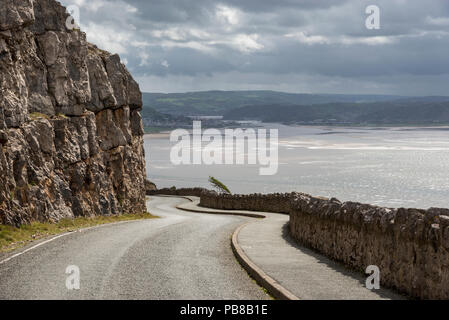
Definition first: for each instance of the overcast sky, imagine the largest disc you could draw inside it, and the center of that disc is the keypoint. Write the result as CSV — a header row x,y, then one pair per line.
x,y
310,46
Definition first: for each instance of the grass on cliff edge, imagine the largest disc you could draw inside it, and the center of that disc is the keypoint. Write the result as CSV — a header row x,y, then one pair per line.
x,y
13,238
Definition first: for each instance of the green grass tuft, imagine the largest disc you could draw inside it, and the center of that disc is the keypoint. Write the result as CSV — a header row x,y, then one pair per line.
x,y
12,238
38,115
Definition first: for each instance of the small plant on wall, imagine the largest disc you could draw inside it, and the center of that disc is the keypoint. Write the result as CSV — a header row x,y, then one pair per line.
x,y
219,186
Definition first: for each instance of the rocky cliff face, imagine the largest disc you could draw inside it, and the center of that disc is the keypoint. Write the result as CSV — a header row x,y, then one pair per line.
x,y
71,135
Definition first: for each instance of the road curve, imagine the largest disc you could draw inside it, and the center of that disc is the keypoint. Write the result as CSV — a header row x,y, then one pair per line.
x,y
180,256
285,268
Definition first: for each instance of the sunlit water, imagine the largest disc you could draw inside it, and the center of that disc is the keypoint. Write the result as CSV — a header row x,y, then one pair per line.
x,y
395,167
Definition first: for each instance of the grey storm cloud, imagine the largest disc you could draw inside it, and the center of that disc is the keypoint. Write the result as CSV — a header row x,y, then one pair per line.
x,y
290,45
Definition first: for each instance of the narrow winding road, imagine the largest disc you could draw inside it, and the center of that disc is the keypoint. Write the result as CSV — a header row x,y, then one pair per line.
x,y
181,256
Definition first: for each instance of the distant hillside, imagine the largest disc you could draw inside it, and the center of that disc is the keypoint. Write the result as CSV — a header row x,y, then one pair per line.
x,y
155,121
168,109
156,116
401,112
220,102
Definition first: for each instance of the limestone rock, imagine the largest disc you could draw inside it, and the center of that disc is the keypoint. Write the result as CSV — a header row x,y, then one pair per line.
x,y
150,186
71,134
16,13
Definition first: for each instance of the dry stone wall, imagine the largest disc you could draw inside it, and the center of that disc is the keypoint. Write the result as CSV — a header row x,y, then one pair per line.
x,y
275,202
410,246
195,192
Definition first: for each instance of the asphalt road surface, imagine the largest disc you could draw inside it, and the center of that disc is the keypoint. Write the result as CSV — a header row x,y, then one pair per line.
x,y
180,256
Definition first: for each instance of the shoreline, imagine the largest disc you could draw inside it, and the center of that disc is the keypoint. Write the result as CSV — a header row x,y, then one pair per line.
x,y
166,134
158,135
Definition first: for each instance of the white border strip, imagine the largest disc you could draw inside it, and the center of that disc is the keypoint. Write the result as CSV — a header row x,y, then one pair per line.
x,y
34,247
63,235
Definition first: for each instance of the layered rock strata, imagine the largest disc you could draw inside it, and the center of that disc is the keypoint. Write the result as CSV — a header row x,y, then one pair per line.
x,y
71,134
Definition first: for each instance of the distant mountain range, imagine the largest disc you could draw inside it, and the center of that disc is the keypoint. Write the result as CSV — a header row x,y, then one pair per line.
x,y
272,106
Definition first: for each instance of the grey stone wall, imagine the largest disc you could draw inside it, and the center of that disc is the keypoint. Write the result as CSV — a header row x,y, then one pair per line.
x,y
195,192
275,202
410,246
